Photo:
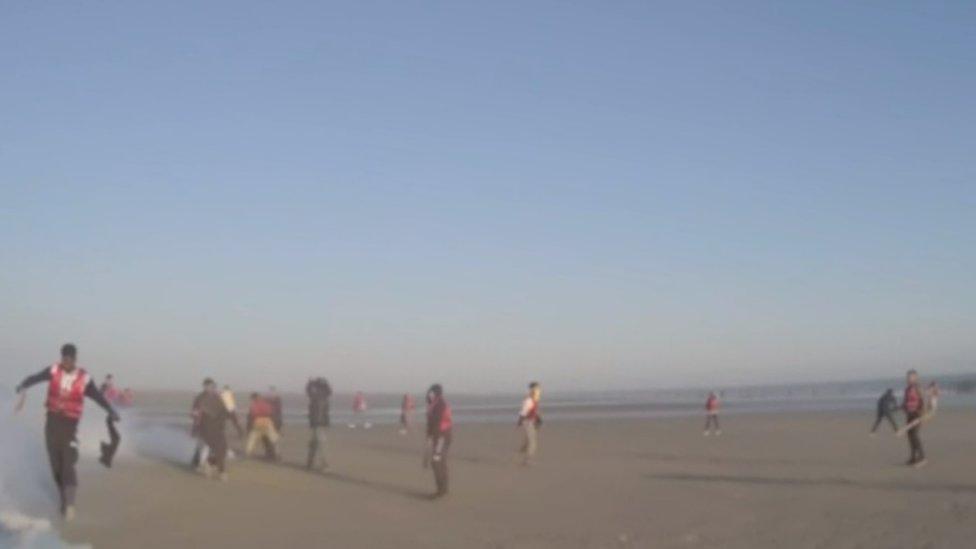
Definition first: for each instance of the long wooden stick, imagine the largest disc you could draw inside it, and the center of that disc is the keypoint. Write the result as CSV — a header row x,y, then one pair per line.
x,y
914,423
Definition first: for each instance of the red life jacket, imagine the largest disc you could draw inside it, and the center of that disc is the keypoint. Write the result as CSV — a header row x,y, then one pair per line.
x,y
66,400
712,404
533,411
913,399
261,408
446,420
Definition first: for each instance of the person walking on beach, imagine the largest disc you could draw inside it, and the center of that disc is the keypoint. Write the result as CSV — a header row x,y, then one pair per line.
x,y
200,451
68,386
711,415
913,404
931,399
406,413
439,424
358,410
260,425
319,396
887,404
230,402
530,420
210,424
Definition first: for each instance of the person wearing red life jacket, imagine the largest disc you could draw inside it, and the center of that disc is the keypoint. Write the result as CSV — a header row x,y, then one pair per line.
x,y
530,420
711,415
68,385
439,424
913,403
260,425
109,390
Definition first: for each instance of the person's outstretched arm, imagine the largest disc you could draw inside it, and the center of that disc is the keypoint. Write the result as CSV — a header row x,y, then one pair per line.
x,y
43,375
92,392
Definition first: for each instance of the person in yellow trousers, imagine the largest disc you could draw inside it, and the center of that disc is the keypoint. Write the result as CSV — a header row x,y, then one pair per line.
x,y
261,425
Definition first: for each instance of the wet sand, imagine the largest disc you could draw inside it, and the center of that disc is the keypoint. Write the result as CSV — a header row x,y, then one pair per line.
x,y
800,481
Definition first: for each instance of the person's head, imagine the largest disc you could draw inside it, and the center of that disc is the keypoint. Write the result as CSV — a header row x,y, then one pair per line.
x,y
255,396
272,389
69,354
911,377
227,387
932,385
712,395
535,390
109,378
435,392
890,391
209,385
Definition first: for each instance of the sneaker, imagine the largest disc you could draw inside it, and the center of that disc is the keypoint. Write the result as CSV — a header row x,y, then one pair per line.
x,y
69,513
718,433
706,433
920,463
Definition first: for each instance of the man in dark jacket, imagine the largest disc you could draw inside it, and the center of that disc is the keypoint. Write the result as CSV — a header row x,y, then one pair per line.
x,y
887,404
210,416
439,424
319,395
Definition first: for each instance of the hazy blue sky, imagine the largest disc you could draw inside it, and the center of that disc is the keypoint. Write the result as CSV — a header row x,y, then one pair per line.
x,y
600,194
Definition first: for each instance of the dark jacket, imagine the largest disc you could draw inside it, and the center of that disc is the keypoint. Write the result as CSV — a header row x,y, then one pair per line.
x,y
887,403
319,396
211,414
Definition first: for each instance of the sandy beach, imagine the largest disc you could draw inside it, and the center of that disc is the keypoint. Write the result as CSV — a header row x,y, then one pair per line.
x,y
799,480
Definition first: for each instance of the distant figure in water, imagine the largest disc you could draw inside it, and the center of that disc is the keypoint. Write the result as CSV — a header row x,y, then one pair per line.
x,y
127,398
260,425
358,409
931,399
913,404
439,424
319,396
406,413
67,387
887,405
711,415
108,389
210,424
530,420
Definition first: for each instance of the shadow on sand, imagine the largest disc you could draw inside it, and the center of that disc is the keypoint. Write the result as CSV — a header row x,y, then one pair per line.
x,y
389,488
836,481
375,485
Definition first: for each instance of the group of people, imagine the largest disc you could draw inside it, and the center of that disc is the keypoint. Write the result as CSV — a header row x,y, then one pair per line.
x,y
69,386
213,409
919,406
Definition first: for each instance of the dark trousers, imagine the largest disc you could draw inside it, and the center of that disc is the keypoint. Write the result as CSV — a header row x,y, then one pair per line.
x,y
711,419
216,440
882,416
914,442
438,463
314,444
60,436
